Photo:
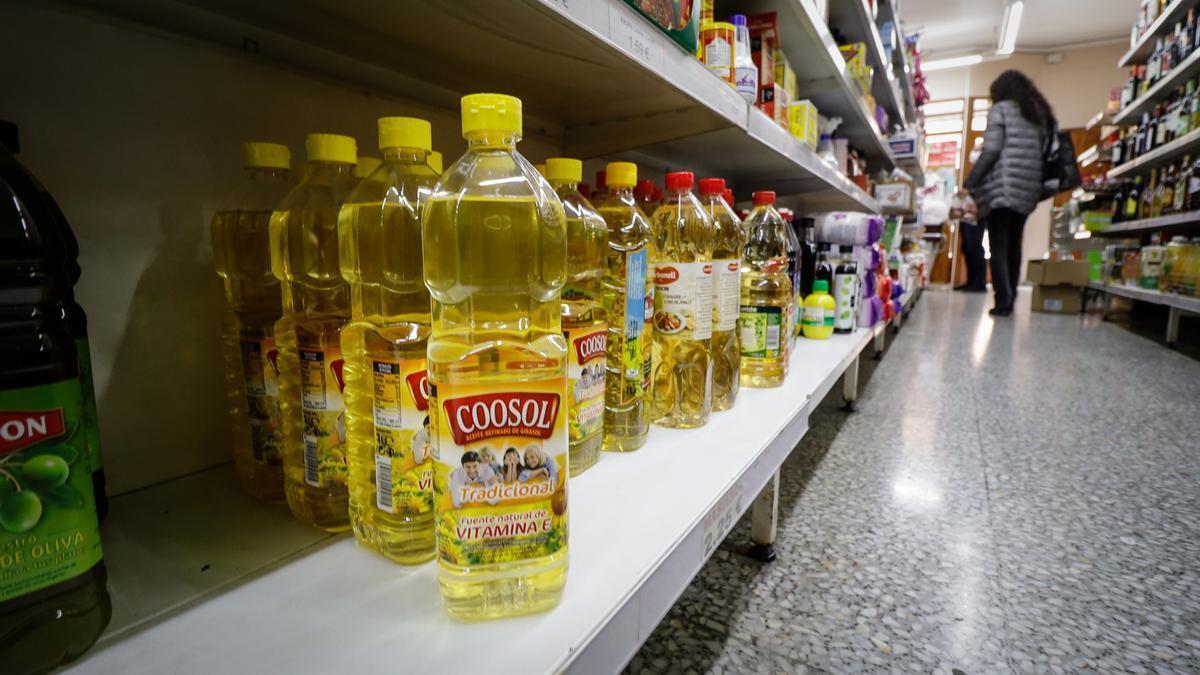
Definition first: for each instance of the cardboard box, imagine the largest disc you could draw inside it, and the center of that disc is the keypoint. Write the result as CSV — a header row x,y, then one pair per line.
x,y
1058,272
802,122
772,101
895,197
1057,299
763,58
1097,220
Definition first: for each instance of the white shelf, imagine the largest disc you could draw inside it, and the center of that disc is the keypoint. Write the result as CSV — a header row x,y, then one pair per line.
x,y
854,20
1174,300
1165,23
1163,154
594,76
205,581
1160,91
1135,227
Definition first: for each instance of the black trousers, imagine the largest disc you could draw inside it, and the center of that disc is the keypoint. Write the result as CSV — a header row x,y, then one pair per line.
x,y
971,237
1005,231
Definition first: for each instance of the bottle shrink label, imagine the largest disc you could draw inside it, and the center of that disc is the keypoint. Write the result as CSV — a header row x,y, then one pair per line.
x,y
500,471
586,370
48,527
728,293
683,299
91,421
648,334
321,386
628,348
260,375
403,436
760,331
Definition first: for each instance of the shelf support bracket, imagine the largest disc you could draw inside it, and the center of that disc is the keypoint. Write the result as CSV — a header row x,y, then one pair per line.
x,y
764,521
1172,326
850,385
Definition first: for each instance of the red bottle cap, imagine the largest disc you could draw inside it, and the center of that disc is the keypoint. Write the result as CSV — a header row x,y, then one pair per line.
x,y
763,197
711,186
585,190
657,194
601,180
680,180
728,195
645,188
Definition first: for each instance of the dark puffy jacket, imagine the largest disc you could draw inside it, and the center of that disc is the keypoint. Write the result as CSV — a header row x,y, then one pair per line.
x,y
1009,171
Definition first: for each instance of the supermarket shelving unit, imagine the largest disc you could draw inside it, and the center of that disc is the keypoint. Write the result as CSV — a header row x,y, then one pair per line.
x,y
856,23
1177,304
1131,228
1180,74
206,580
1163,154
1164,24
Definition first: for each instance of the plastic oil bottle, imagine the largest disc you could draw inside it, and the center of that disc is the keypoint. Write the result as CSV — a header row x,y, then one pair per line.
x,y
682,240
52,607
727,268
766,296
242,255
495,250
316,303
627,293
389,452
585,322
365,166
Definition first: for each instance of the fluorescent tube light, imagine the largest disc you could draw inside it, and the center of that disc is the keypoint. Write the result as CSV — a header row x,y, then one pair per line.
x,y
1012,24
955,62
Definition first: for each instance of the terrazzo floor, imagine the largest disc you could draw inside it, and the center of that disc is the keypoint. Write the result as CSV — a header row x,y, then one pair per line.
x,y
1018,495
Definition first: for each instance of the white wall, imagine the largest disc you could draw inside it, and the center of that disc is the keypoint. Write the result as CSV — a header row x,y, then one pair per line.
x,y
138,137
1077,88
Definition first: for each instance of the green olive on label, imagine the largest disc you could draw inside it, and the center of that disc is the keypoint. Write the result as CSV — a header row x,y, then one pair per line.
x,y
20,511
44,472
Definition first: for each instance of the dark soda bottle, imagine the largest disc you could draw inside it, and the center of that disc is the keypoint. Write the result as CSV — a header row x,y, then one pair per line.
x,y
53,597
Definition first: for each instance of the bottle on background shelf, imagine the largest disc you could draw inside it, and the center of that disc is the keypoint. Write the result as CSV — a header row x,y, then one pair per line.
x,y
727,267
495,253
766,296
819,312
845,292
241,241
316,304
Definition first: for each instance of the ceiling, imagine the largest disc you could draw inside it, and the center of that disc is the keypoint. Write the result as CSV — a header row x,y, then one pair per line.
x,y
950,26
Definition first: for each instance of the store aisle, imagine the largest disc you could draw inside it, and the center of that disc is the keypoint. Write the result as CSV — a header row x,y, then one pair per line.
x,y
1011,496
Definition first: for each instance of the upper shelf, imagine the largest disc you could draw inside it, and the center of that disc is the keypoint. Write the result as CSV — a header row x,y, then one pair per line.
x,y
854,21
1165,23
595,76
1132,228
1161,90
1163,154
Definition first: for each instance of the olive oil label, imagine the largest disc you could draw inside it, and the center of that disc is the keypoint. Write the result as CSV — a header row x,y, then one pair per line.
x,y
683,299
403,441
761,331
728,293
632,359
48,527
91,423
324,412
586,370
500,471
260,371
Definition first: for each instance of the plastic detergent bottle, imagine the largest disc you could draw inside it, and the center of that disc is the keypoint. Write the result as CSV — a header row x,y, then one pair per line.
x,y
745,73
585,322
819,312
495,247
727,267
766,295
389,449
627,293
316,303
682,240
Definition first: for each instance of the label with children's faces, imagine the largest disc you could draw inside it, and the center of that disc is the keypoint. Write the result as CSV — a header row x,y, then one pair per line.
x,y
500,470
323,409
586,371
403,443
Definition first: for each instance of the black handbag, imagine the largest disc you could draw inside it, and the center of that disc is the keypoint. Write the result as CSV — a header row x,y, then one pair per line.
x,y
1060,168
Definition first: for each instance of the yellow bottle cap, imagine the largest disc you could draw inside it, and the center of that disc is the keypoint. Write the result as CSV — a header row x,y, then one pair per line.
x,y
331,148
491,112
621,174
541,168
266,156
366,166
404,132
564,169
435,162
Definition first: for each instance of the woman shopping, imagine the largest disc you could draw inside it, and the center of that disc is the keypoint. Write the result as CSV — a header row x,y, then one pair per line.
x,y
1006,182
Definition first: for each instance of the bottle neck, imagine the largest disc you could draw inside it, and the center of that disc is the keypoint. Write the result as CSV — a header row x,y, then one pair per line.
x,y
564,185
266,172
622,192
331,168
492,140
406,155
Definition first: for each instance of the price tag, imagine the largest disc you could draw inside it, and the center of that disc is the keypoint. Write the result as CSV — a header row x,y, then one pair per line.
x,y
720,520
635,37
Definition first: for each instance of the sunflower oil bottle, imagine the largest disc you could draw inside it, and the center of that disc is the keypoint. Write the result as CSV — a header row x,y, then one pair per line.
x,y
766,296
435,162
316,303
389,451
682,240
585,323
242,256
366,166
727,270
627,297
495,252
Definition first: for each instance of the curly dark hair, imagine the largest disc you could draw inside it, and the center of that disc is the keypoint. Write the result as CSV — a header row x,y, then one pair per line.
x,y
1012,85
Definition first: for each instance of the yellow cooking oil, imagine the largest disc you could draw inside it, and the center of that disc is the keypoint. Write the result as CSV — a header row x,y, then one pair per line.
x,y
241,253
766,297
681,253
584,320
627,295
365,166
389,449
727,288
495,252
435,162
316,303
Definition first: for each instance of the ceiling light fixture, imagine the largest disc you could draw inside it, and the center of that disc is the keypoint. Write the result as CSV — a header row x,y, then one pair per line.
x,y
954,62
1012,24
